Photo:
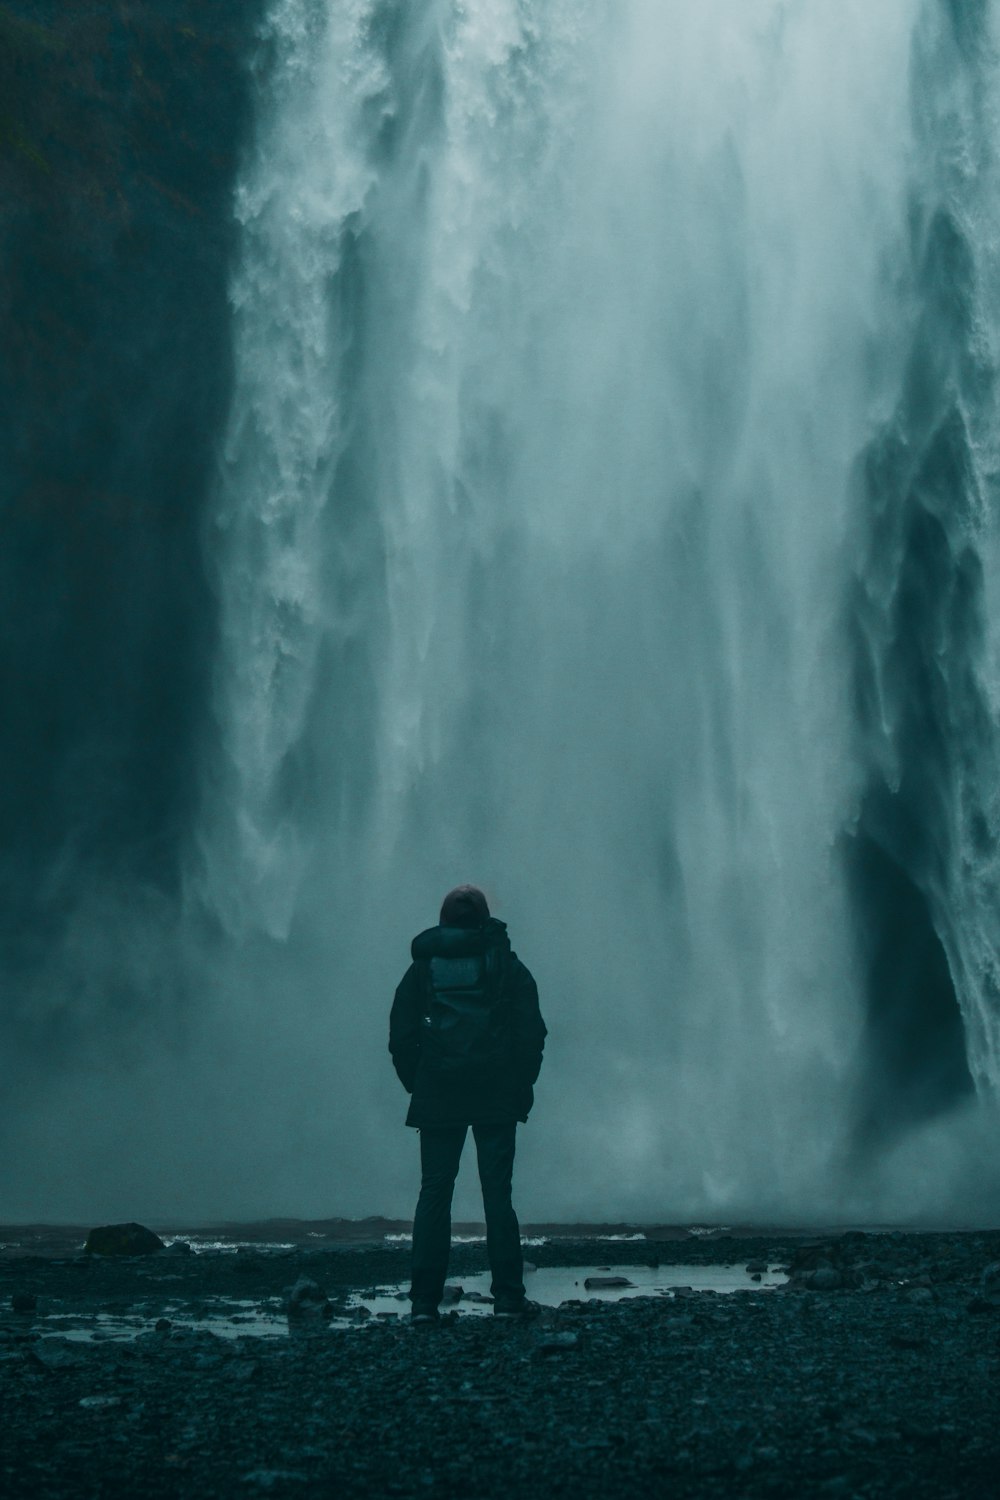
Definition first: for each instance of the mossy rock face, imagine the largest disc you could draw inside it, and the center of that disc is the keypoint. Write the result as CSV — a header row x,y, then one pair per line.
x,y
123,1239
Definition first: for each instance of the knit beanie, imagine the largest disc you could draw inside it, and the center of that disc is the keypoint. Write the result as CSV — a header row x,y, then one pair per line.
x,y
465,906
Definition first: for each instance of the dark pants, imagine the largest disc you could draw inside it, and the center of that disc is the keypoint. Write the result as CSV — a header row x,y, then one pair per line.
x,y
440,1153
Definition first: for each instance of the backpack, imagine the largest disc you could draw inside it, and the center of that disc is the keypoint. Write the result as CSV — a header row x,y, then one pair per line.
x,y
466,1024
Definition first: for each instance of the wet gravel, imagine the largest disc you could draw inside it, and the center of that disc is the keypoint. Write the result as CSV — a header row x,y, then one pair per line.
x,y
876,1372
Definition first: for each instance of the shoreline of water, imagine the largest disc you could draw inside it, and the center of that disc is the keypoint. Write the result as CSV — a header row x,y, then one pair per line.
x,y
285,1235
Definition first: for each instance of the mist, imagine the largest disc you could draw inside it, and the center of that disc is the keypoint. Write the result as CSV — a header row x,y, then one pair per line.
x,y
588,490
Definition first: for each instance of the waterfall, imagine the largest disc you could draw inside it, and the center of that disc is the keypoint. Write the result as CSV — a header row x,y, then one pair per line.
x,y
606,516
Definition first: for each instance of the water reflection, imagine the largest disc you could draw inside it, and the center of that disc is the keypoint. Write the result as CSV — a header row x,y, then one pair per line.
x,y
552,1285
232,1317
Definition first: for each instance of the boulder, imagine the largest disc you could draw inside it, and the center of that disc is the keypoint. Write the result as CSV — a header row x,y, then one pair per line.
x,y
822,1268
307,1300
822,1279
123,1239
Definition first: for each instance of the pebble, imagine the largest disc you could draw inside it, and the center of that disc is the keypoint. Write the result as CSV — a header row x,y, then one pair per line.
x,y
557,1343
269,1479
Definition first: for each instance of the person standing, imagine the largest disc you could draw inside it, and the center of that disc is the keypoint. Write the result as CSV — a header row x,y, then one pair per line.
x,y
466,1038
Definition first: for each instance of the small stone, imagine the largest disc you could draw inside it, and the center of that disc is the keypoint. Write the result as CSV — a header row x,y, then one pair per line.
x,y
178,1247
989,1287
100,1403
269,1479
557,1343
123,1239
823,1279
452,1293
207,1361
604,1283
64,1357
162,1325
756,1267
920,1295
23,1302
907,1341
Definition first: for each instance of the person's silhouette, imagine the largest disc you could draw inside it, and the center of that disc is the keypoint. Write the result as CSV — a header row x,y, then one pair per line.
x,y
466,1038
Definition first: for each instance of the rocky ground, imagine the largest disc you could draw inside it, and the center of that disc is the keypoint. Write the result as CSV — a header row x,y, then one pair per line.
x,y
876,1372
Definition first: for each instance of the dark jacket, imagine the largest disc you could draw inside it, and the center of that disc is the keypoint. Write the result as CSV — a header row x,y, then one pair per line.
x,y
503,1091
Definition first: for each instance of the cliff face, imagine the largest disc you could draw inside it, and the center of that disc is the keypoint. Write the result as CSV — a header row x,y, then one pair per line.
x,y
121,127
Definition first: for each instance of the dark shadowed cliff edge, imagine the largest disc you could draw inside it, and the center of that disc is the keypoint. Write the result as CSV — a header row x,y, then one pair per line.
x,y
120,132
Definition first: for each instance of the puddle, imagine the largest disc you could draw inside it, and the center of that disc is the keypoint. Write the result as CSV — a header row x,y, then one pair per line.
x,y
232,1318
228,1317
552,1285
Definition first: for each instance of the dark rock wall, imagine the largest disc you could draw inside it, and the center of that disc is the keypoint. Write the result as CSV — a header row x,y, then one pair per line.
x,y
918,614
121,127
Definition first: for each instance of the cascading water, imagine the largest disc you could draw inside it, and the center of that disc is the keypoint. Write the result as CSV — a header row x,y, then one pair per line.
x,y
590,363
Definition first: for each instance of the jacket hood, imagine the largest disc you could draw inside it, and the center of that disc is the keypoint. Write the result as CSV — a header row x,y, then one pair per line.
x,y
459,942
